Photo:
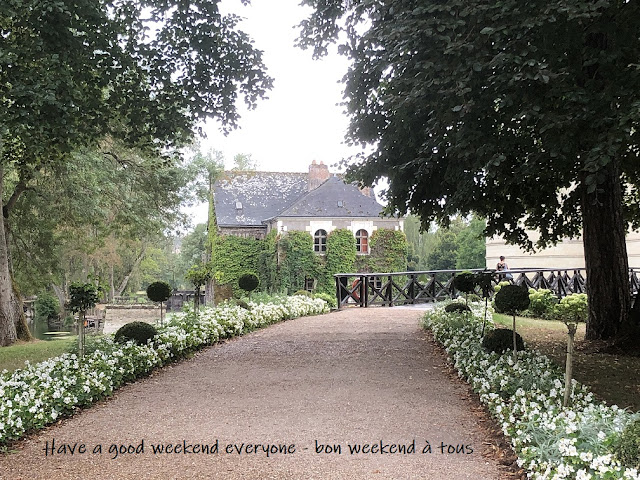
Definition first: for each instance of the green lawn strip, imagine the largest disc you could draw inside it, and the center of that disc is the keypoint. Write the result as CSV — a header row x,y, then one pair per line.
x,y
613,378
14,356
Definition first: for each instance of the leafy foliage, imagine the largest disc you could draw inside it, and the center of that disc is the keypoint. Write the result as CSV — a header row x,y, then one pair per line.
x,y
233,256
571,309
627,446
46,306
525,115
248,282
512,299
456,307
82,296
388,251
465,282
341,257
139,332
500,340
541,302
159,291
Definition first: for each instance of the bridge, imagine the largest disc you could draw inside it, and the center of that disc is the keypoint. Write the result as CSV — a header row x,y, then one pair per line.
x,y
406,288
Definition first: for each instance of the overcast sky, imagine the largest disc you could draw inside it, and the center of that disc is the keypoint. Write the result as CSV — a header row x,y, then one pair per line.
x,y
300,121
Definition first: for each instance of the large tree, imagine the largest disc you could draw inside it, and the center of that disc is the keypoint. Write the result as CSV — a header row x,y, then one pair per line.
x,y
524,112
147,72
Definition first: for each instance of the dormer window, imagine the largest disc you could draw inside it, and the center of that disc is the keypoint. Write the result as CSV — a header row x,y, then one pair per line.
x,y
238,205
340,203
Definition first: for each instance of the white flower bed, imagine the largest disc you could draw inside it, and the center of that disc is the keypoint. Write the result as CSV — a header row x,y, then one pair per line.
x,y
551,442
37,395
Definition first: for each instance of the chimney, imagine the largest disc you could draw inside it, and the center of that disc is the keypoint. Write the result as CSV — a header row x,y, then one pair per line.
x,y
366,191
318,173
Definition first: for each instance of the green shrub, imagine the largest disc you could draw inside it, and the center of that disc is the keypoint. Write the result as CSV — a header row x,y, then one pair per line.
x,y
139,332
472,297
303,293
330,299
571,309
627,447
457,307
511,299
500,340
46,306
241,303
465,282
499,286
248,282
541,302
159,291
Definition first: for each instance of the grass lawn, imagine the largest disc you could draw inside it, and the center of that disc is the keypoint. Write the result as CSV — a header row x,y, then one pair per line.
x,y
14,356
613,378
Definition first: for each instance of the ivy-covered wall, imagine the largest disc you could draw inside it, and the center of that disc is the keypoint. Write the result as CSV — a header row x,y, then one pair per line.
x,y
233,256
282,262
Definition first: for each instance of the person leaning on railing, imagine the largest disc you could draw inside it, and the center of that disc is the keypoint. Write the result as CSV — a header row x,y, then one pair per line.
x,y
503,268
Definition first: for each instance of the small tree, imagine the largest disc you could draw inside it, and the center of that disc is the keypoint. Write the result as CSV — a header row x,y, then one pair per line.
x,y
248,282
466,283
512,299
82,297
571,310
159,292
198,275
484,280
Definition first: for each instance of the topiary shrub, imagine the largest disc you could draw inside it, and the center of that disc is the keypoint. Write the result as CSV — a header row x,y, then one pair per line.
x,y
139,332
500,340
159,291
465,282
248,282
303,293
627,447
456,307
512,299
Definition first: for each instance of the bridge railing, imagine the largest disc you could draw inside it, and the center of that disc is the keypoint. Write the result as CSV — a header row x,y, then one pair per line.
x,y
404,288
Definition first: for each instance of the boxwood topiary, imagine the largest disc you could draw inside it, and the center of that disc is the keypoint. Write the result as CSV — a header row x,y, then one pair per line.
x,y
139,332
159,291
248,282
511,299
457,308
465,282
500,340
627,447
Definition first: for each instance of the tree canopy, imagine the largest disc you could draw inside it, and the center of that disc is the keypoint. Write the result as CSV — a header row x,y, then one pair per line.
x,y
525,113
145,73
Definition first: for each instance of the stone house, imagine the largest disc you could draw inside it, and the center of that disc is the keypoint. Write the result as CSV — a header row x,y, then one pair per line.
x,y
251,204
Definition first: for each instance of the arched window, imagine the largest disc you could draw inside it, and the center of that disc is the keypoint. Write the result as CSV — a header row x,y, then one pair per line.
x,y
362,241
320,241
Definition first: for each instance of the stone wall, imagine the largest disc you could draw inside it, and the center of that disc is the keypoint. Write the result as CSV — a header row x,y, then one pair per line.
x,y
116,316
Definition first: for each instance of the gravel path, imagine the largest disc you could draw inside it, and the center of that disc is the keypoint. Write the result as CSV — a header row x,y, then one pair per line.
x,y
345,379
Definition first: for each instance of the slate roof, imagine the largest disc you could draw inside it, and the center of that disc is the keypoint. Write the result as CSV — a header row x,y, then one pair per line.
x,y
324,202
262,195
265,195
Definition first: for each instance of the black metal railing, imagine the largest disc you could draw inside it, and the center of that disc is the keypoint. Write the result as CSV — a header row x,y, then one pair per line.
x,y
404,288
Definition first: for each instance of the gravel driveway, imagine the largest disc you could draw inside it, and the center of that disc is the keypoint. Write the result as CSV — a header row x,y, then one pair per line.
x,y
270,404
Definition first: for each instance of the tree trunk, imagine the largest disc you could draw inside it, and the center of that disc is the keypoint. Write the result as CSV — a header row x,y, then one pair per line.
x,y
10,308
126,278
605,252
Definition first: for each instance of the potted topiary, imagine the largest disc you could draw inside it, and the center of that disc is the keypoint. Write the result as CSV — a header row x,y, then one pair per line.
x,y
159,292
512,299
